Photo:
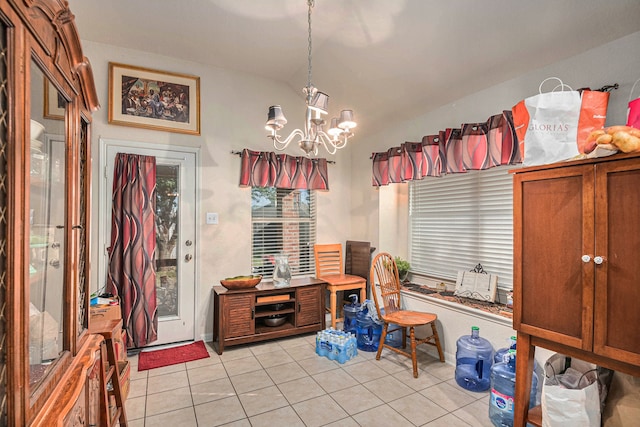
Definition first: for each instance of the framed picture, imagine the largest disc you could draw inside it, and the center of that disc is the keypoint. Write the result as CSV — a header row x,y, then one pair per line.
x,y
153,99
54,103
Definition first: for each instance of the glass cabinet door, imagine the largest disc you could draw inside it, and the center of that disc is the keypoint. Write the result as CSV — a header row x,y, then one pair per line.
x,y
47,219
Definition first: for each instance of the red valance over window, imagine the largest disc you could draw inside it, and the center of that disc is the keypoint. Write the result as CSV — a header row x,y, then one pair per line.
x,y
268,169
473,146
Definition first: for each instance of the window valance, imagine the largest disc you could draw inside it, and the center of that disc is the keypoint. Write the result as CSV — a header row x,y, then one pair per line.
x,y
268,169
473,146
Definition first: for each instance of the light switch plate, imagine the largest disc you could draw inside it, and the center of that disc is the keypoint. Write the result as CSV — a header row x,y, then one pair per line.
x,y
212,218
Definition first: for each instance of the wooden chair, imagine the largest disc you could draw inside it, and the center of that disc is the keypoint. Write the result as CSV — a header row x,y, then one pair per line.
x,y
384,271
329,268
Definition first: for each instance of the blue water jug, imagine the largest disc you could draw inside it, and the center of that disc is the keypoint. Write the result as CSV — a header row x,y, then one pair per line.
x,y
350,315
394,334
503,388
502,352
369,328
474,358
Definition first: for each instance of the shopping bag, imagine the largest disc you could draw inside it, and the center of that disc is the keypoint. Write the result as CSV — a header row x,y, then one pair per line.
x,y
633,112
593,114
553,125
520,117
570,393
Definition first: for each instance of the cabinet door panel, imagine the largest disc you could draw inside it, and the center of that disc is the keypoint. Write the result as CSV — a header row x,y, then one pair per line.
x,y
617,314
309,308
555,220
238,317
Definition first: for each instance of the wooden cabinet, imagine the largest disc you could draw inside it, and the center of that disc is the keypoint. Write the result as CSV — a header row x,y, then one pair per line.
x,y
76,399
576,269
46,101
241,316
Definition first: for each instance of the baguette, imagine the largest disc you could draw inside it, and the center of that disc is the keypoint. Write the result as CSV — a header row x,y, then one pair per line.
x,y
604,139
593,136
628,129
626,142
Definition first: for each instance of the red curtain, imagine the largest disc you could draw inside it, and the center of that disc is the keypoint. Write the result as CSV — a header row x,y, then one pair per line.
x,y
473,146
267,169
132,275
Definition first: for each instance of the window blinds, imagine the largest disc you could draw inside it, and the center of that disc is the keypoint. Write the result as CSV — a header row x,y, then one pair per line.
x,y
459,220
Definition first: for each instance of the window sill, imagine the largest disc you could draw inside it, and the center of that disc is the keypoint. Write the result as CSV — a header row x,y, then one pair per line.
x,y
496,312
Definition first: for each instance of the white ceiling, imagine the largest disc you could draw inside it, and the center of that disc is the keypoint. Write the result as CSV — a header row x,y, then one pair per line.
x,y
382,58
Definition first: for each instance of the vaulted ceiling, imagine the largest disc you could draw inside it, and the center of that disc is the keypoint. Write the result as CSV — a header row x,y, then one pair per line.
x,y
383,58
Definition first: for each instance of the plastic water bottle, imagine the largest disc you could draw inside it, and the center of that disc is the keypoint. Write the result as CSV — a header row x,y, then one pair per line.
x,y
503,389
474,358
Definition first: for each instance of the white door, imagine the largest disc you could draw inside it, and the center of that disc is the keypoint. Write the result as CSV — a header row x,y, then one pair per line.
x,y
175,235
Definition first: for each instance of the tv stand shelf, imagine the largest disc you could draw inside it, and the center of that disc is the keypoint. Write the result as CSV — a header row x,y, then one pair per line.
x,y
239,315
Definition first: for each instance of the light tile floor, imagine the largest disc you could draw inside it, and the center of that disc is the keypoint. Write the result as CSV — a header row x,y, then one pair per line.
x,y
285,383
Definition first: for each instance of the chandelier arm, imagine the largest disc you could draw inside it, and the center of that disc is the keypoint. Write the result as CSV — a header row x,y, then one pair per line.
x,y
281,144
327,142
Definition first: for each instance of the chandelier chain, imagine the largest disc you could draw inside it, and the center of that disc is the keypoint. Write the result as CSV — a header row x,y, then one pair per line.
x,y
310,3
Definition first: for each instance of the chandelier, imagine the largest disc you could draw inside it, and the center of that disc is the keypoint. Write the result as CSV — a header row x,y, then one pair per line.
x,y
313,135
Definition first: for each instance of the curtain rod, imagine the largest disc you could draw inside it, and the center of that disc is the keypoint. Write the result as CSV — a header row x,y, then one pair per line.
x,y
239,153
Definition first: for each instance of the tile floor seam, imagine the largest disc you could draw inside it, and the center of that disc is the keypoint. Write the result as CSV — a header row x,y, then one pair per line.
x,y
304,400
237,395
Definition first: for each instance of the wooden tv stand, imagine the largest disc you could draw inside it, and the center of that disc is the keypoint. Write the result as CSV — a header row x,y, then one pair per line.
x,y
238,316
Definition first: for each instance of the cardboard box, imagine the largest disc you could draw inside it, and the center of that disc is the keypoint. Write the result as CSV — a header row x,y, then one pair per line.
x,y
105,312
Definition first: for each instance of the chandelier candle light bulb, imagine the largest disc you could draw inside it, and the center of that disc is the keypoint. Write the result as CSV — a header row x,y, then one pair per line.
x,y
313,134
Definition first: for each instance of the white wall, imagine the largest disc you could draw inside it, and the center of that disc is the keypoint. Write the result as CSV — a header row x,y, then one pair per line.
x,y
233,112
615,62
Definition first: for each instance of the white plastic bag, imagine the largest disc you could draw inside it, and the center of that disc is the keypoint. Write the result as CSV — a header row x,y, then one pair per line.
x,y
553,125
570,407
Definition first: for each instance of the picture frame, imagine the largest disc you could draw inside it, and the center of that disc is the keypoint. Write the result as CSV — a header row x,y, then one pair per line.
x,y
152,99
54,104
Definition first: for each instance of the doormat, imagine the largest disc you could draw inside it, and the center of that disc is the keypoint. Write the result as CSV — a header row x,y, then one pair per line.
x,y
172,356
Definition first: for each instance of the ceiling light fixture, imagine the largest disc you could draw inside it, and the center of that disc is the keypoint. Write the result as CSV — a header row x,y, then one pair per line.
x,y
313,135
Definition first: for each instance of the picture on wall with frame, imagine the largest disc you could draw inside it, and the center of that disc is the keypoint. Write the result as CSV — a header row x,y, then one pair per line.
x,y
54,103
152,99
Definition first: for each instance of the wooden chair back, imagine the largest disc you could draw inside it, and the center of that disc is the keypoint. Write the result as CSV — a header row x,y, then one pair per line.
x,y
385,270
328,259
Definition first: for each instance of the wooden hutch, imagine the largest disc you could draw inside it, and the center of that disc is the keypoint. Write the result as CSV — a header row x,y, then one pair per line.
x,y
52,370
576,241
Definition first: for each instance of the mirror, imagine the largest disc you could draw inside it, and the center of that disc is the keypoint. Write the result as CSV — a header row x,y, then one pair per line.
x,y
46,224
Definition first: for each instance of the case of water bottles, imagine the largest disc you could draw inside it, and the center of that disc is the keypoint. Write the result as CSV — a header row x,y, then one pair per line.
x,y
336,345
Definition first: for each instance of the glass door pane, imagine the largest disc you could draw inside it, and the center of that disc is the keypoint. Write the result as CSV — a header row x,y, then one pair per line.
x,y
46,207
167,203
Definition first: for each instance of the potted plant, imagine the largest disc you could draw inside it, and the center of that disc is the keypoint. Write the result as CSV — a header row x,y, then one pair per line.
x,y
403,268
